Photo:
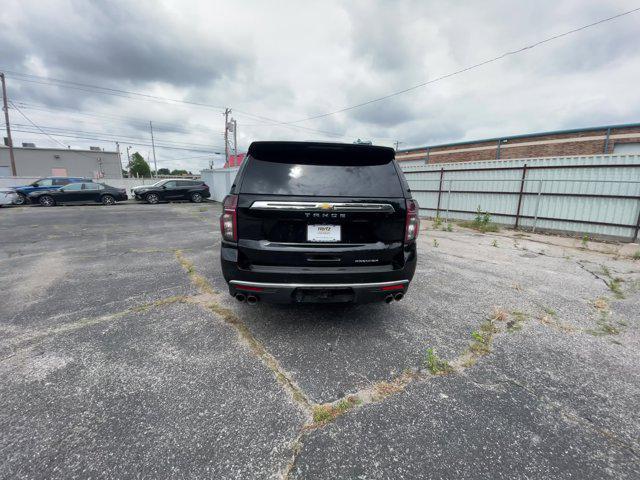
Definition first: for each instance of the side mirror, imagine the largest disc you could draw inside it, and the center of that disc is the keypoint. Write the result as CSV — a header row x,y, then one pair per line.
x,y
61,189
164,187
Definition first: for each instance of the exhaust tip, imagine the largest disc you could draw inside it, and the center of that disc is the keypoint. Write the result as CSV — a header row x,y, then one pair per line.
x,y
252,299
398,296
240,297
388,298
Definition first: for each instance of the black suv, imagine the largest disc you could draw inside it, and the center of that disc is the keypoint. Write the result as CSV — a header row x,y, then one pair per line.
x,y
172,189
319,222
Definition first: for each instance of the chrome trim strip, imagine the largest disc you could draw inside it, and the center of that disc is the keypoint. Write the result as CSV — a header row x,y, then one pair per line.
x,y
315,285
323,206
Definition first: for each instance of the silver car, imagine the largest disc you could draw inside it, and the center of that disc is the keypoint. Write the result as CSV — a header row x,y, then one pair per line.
x,y
8,196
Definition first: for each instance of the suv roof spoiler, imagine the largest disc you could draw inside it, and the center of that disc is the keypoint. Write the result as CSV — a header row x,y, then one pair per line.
x,y
312,152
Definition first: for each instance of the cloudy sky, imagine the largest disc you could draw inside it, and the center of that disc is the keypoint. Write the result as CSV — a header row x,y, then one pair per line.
x,y
278,62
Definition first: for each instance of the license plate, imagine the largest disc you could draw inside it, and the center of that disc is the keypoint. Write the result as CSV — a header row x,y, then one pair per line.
x,y
323,233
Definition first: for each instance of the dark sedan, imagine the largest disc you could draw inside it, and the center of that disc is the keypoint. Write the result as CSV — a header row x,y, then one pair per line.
x,y
76,193
172,189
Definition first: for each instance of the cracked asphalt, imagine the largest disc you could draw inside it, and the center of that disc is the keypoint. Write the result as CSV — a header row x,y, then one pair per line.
x,y
123,356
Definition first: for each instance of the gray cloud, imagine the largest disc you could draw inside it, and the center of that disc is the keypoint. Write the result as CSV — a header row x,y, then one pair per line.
x,y
288,61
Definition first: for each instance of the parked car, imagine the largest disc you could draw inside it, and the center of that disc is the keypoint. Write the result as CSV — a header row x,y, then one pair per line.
x,y
49,183
85,192
172,189
8,196
315,222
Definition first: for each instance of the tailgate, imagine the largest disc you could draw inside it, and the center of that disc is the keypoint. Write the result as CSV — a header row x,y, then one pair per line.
x,y
323,232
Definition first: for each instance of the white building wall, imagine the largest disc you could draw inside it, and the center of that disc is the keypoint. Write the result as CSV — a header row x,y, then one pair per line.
x,y
47,162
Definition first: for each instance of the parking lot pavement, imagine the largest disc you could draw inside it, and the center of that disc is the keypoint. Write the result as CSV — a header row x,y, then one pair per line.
x,y
122,354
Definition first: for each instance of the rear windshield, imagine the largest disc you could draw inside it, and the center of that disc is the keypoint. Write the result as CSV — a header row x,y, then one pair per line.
x,y
316,177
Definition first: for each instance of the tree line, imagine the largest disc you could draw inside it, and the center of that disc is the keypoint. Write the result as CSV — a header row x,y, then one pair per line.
x,y
138,167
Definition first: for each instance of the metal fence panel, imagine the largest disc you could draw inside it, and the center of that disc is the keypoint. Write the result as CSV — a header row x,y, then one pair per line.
x,y
598,195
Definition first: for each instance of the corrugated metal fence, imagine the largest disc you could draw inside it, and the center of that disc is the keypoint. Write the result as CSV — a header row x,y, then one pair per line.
x,y
597,195
219,181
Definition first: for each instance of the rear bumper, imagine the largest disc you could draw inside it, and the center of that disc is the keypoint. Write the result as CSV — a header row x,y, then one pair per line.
x,y
306,285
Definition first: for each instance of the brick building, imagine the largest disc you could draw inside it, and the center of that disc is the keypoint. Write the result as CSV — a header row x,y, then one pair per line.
x,y
623,139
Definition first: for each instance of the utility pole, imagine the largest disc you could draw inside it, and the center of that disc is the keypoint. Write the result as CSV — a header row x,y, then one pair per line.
x,y
129,161
153,146
397,144
119,158
235,140
6,119
227,111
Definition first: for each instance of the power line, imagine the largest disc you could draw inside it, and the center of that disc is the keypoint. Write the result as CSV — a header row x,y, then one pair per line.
x,y
45,133
121,137
105,90
41,80
112,140
132,120
466,69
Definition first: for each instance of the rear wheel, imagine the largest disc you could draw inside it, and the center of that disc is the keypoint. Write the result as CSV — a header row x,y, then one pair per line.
x,y
47,201
152,198
21,200
108,200
196,197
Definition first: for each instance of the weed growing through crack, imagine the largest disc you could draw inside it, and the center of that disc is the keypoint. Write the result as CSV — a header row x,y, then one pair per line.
x,y
450,229
325,413
614,285
437,222
515,324
436,243
585,241
601,304
499,314
549,311
494,244
481,222
604,326
435,364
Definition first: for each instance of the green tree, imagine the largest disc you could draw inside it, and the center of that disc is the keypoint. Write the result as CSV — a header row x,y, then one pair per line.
x,y
164,171
138,166
179,172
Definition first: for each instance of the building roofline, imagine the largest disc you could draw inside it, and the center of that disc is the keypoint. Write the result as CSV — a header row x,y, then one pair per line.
x,y
525,135
60,149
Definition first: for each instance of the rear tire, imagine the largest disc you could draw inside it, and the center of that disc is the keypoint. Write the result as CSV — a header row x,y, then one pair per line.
x,y
196,197
47,201
21,200
108,200
152,198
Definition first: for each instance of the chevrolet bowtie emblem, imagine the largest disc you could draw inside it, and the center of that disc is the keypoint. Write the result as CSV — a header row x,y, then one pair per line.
x,y
325,206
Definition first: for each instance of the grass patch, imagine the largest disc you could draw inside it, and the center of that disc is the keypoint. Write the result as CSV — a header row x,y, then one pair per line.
x,y
549,311
494,244
435,364
636,255
437,222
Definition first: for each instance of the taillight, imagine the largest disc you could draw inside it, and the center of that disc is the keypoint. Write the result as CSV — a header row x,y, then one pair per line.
x,y
229,218
412,227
